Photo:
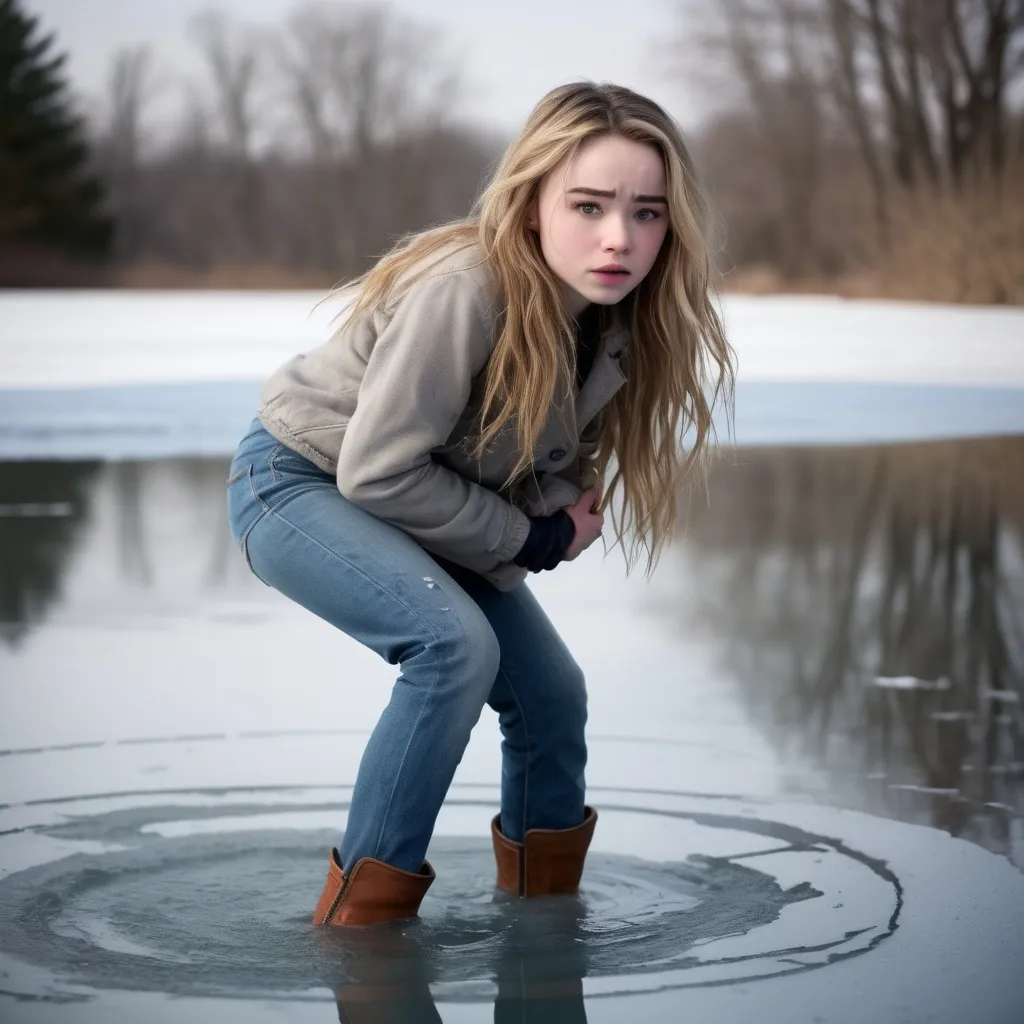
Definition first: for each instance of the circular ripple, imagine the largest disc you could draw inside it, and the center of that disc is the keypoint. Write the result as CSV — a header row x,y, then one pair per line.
x,y
204,895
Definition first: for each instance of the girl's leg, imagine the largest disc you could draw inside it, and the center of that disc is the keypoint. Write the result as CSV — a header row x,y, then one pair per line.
x,y
373,582
541,699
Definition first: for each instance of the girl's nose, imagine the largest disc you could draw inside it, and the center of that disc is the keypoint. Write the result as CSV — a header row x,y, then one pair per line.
x,y
616,236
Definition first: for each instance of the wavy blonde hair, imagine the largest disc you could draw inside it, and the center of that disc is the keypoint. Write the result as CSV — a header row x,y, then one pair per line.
x,y
678,363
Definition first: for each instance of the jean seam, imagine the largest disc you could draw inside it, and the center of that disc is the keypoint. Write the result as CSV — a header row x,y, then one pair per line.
x,y
401,763
272,461
243,544
243,540
412,732
526,733
256,496
415,617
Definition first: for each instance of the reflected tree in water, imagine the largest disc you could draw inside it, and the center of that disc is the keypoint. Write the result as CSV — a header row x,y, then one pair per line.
x,y
43,506
166,515
208,480
194,490
873,603
132,551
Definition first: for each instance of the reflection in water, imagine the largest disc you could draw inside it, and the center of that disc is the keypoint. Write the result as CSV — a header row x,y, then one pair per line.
x,y
48,509
871,607
118,919
42,508
388,971
133,556
869,601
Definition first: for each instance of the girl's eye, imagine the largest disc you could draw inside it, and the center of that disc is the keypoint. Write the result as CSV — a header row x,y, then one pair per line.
x,y
589,209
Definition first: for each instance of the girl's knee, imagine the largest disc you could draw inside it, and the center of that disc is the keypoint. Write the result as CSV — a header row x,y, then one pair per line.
x,y
472,650
569,698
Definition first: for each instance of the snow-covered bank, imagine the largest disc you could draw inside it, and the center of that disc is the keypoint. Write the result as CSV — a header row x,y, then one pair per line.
x,y
86,338
159,374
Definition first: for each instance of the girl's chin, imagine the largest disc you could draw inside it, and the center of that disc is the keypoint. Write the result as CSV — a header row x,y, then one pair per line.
x,y
605,296
577,299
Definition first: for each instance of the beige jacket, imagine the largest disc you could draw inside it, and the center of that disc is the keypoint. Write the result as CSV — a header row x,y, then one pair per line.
x,y
389,408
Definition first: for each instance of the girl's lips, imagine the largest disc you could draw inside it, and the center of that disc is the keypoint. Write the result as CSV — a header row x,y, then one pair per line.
x,y
611,275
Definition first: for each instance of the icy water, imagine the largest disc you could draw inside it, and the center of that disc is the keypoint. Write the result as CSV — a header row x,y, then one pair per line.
x,y
806,742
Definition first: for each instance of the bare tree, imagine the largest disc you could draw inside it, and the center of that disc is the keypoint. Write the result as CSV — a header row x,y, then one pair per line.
x,y
942,71
911,39
129,89
773,49
304,54
121,140
234,59
392,77
303,151
847,82
360,81
977,54
924,90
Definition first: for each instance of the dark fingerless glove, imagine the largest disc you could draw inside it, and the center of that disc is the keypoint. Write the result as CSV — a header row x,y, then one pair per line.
x,y
547,542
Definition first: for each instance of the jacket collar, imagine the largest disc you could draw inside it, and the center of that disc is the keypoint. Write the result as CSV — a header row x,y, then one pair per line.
x,y
606,376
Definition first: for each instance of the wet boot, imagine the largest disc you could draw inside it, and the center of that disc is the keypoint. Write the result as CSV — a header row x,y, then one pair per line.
x,y
370,893
547,861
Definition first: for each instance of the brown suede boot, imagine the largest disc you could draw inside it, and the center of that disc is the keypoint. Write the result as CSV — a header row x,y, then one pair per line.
x,y
370,893
547,861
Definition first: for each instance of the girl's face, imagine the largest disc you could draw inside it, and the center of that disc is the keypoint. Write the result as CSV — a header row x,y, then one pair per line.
x,y
602,217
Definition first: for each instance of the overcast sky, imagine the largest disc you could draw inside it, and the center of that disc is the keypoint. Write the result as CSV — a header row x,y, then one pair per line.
x,y
511,53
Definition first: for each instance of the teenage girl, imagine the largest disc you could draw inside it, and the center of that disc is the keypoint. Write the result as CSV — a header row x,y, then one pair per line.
x,y
403,479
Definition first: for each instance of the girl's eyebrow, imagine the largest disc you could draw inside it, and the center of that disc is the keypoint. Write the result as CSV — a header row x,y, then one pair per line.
x,y
582,190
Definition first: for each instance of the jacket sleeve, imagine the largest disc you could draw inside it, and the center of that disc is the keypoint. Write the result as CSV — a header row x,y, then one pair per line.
x,y
555,490
416,384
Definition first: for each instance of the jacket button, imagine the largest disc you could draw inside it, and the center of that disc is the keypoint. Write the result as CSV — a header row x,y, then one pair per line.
x,y
556,454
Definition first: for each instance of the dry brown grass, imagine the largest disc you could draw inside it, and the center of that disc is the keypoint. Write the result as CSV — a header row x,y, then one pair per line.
x,y
761,280
943,247
957,249
258,278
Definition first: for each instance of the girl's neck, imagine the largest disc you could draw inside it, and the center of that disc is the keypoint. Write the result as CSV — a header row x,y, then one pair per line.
x,y
572,300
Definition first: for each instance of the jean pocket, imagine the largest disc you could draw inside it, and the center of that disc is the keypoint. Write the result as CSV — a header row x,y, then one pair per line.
x,y
284,462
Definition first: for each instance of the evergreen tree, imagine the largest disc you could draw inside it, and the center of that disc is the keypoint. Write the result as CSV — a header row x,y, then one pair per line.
x,y
49,201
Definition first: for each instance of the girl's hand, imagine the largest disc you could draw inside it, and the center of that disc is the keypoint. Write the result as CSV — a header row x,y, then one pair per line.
x,y
588,523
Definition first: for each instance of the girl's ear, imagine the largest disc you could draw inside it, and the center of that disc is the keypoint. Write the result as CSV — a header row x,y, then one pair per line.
x,y
532,217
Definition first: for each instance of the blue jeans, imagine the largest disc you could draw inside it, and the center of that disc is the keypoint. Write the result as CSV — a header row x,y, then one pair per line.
x,y
459,642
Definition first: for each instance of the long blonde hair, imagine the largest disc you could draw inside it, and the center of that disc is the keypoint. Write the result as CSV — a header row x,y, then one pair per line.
x,y
678,363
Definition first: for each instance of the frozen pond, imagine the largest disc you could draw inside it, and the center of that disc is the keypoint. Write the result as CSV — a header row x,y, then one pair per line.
x,y
806,744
